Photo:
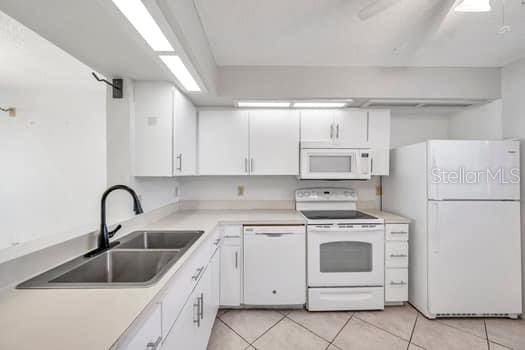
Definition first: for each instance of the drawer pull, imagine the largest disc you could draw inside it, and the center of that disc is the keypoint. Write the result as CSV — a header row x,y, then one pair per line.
x,y
154,345
202,307
401,283
198,306
398,255
217,241
399,233
197,273
232,236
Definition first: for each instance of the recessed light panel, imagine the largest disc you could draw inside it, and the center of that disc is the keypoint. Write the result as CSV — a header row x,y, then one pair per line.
x,y
141,19
473,6
320,104
181,72
263,104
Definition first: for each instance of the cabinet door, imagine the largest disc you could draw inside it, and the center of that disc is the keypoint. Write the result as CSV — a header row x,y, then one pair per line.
x,y
153,129
147,333
215,268
274,142
350,127
380,162
378,128
223,142
317,125
185,331
230,292
185,136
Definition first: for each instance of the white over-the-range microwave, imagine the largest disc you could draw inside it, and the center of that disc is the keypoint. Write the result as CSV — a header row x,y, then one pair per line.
x,y
330,162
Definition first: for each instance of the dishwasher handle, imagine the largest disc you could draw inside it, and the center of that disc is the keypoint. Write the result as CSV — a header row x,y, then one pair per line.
x,y
273,234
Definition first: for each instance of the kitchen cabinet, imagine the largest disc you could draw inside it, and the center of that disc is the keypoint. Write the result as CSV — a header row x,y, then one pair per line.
x,y
243,142
317,125
165,127
223,142
274,142
230,291
153,129
147,332
185,136
350,127
378,139
396,263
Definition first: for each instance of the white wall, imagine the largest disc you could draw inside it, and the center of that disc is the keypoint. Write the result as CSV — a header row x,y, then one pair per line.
x,y
153,192
479,122
53,153
513,92
276,188
409,129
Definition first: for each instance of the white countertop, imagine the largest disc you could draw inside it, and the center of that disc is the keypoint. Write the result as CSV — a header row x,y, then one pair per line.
x,y
388,217
94,319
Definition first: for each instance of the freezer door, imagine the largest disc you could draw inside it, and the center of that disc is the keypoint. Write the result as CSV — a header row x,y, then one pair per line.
x,y
461,169
474,257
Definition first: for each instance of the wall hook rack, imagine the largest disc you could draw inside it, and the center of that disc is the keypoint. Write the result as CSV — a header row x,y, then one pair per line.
x,y
117,85
10,110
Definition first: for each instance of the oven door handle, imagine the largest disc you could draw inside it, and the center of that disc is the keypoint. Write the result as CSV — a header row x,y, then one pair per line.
x,y
345,229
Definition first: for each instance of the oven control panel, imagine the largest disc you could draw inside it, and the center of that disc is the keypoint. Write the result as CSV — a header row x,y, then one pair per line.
x,y
325,195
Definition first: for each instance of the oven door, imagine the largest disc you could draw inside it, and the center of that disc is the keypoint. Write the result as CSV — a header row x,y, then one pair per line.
x,y
334,163
345,255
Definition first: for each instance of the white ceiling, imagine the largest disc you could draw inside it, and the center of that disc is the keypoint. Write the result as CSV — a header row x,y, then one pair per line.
x,y
329,33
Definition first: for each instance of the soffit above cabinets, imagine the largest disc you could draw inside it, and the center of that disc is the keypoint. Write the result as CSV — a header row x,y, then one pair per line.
x,y
435,105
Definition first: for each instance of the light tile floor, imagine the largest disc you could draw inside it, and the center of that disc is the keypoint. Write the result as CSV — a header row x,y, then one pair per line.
x,y
395,328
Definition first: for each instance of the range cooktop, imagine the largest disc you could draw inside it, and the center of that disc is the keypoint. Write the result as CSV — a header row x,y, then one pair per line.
x,y
336,215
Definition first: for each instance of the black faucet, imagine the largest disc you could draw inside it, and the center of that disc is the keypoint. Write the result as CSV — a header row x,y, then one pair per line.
x,y
105,235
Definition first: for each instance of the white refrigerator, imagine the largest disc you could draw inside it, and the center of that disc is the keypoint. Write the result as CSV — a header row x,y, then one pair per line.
x,y
465,243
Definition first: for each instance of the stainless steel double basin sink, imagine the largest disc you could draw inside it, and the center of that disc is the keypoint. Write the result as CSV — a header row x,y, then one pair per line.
x,y
140,260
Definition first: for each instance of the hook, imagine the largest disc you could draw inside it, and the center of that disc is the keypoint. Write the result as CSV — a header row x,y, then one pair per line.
x,y
117,85
10,110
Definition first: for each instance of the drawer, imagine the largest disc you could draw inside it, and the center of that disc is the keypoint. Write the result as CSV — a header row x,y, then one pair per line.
x,y
146,332
357,298
396,232
396,285
183,283
231,231
396,254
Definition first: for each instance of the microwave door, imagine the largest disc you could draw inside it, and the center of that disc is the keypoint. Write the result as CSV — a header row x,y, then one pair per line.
x,y
327,164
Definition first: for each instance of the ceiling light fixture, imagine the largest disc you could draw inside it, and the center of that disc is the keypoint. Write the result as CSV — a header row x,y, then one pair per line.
x,y
473,6
263,104
320,104
141,19
181,72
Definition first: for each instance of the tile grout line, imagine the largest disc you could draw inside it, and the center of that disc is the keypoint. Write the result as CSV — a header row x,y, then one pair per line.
x,y
382,329
457,328
266,331
413,331
309,330
486,334
233,330
347,321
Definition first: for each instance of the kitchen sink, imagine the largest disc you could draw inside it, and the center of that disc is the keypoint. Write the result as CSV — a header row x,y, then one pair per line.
x,y
140,260
159,240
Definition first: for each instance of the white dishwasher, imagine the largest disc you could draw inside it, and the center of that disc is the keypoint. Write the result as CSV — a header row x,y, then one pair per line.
x,y
274,265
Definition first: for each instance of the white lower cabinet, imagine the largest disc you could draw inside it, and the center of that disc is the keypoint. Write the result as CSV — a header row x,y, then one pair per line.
x,y
230,284
146,332
396,263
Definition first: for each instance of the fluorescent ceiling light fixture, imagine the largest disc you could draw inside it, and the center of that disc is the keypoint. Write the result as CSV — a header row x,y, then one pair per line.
x,y
473,6
320,104
141,19
180,72
263,104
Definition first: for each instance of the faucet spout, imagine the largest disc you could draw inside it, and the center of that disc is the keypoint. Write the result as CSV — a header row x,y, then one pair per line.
x,y
104,234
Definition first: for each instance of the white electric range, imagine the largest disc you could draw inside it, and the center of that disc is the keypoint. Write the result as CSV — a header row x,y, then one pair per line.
x,y
345,251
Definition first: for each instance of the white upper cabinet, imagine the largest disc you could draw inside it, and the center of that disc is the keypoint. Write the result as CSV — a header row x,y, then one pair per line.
x,y
153,129
317,125
274,142
223,142
165,131
378,128
350,127
185,134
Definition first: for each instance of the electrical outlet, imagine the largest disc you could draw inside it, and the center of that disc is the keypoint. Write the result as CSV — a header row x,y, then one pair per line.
x,y
240,190
176,191
379,190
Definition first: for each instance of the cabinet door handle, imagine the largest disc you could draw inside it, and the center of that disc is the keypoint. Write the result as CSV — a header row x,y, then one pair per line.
x,y
400,283
332,131
337,131
217,241
251,165
154,345
198,306
398,255
245,165
202,306
236,260
367,126
398,233
197,273
179,157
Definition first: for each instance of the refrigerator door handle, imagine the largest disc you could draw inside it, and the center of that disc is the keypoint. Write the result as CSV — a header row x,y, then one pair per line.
x,y
434,228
